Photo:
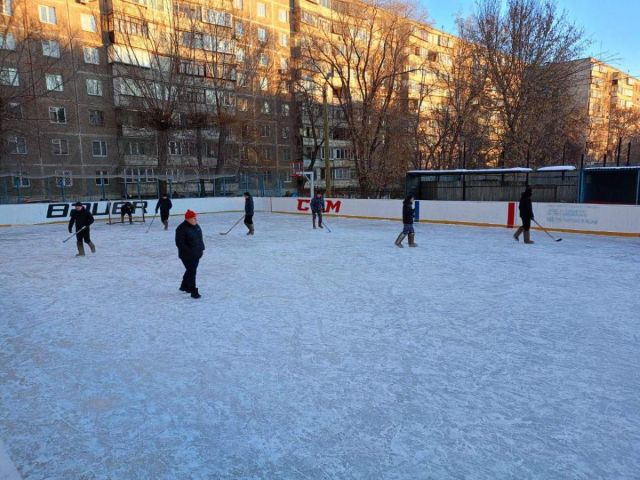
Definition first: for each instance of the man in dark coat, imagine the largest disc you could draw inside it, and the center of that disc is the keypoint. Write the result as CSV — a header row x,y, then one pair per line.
x,y
526,214
82,219
248,212
407,221
126,209
317,207
164,205
190,249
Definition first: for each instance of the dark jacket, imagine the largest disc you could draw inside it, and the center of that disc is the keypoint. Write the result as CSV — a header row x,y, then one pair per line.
x,y
525,206
164,204
126,209
407,213
317,204
248,205
81,219
189,241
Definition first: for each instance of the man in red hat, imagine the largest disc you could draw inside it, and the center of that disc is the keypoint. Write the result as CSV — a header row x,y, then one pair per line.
x,y
190,248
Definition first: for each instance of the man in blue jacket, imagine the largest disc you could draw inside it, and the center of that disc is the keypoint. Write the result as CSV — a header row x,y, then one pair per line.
x,y
317,207
248,213
190,249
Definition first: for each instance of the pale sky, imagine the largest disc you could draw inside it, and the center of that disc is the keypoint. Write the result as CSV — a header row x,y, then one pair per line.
x,y
613,26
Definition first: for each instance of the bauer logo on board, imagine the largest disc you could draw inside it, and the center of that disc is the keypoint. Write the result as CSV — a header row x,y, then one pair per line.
x,y
97,209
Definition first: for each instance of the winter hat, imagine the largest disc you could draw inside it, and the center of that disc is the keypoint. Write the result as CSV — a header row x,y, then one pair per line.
x,y
190,214
77,204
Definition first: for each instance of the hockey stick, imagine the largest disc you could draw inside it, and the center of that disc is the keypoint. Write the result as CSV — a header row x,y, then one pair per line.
x,y
545,231
324,224
151,223
77,232
234,226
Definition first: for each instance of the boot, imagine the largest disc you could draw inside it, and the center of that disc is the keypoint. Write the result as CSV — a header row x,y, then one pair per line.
x,y
80,246
314,223
195,293
412,242
92,247
399,240
527,238
320,224
166,224
516,236
251,229
183,288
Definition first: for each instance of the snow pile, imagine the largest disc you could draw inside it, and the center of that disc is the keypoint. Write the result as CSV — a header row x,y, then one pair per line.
x,y
320,355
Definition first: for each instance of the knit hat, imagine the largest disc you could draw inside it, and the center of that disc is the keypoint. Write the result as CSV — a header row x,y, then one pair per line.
x,y
78,204
190,214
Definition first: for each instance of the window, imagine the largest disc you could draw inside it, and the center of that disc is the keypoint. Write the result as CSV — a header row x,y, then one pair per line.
x,y
265,130
47,14
215,17
94,87
99,148
262,34
261,9
284,109
51,48
284,64
134,148
17,145
91,55
286,154
88,23
285,132
54,82
284,40
20,181
7,41
264,84
59,146
174,148
131,27
239,28
14,111
266,108
96,118
243,104
6,7
264,60
64,178
57,115
9,76
102,177
283,15
237,4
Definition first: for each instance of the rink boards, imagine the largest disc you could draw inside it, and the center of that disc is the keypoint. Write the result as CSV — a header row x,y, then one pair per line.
x,y
620,220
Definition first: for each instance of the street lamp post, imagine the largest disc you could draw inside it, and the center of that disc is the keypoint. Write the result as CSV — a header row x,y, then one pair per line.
x,y
327,150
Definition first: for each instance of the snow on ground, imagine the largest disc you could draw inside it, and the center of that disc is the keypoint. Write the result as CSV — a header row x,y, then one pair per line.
x,y
316,355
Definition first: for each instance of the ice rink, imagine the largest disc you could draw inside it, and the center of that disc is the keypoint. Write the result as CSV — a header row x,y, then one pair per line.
x,y
316,355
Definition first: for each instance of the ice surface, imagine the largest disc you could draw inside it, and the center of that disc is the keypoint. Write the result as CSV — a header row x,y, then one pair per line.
x,y
316,355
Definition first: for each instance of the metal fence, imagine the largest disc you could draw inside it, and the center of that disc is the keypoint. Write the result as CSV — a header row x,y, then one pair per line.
x,y
32,189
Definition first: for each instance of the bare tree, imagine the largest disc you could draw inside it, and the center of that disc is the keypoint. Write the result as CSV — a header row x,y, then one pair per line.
x,y
361,52
527,48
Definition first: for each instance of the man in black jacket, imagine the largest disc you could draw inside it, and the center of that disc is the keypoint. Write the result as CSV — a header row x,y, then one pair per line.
x,y
248,212
164,205
126,209
526,214
82,219
317,207
407,221
190,249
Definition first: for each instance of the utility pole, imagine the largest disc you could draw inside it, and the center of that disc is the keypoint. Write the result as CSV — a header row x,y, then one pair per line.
x,y
327,150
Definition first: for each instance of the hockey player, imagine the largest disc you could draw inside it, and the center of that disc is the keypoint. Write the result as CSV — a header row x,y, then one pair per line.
x,y
190,249
126,209
248,213
526,214
165,206
317,207
82,219
407,221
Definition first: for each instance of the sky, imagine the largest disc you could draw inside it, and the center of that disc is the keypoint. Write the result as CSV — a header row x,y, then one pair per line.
x,y
612,26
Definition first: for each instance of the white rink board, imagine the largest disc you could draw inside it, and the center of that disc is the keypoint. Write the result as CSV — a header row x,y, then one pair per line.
x,y
584,218
38,213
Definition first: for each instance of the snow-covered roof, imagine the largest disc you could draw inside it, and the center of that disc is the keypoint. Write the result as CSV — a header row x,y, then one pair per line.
x,y
459,171
606,169
557,168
